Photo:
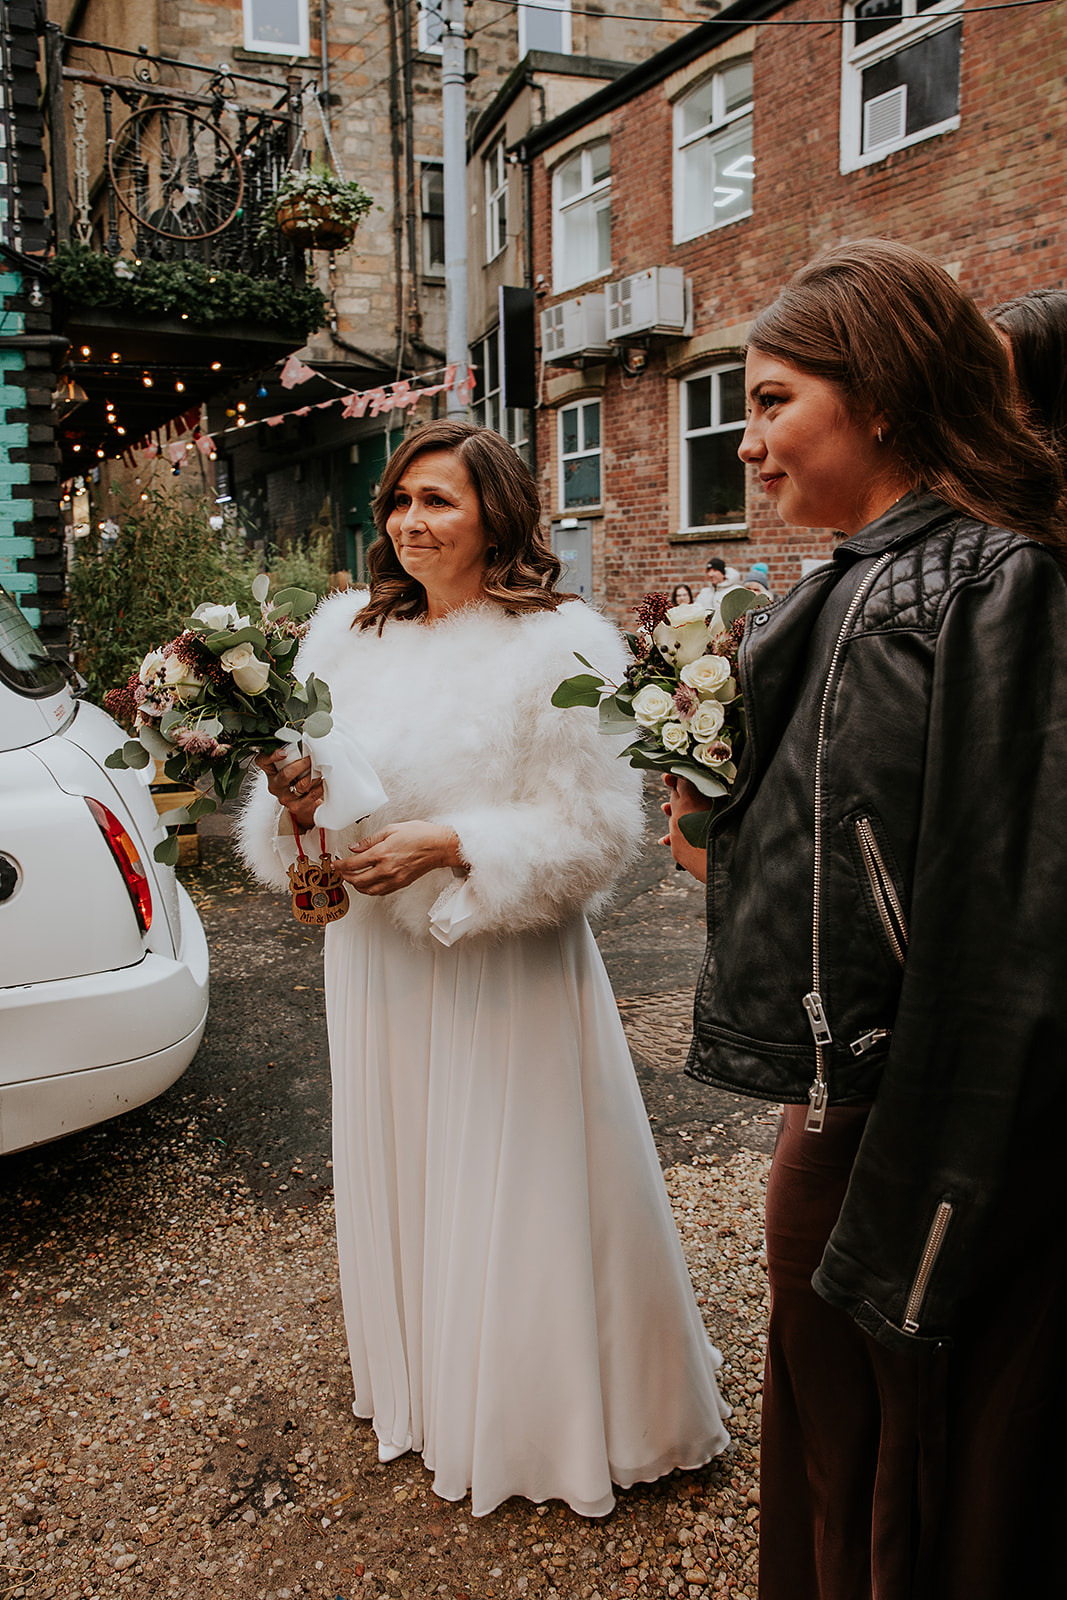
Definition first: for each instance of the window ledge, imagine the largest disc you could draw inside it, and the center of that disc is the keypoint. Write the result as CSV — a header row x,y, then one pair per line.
x,y
707,535
858,163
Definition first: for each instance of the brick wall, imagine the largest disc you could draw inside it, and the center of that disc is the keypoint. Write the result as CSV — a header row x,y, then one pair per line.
x,y
985,199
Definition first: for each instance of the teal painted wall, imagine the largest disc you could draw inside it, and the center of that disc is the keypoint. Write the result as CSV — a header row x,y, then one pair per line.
x,y
14,436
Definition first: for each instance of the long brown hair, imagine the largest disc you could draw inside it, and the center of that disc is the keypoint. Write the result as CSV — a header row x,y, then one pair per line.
x,y
899,339
1036,326
522,571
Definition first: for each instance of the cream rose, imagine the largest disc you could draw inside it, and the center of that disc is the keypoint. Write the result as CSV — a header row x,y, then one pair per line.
x,y
181,680
652,705
706,674
250,674
711,754
706,720
219,617
684,643
674,737
680,616
155,661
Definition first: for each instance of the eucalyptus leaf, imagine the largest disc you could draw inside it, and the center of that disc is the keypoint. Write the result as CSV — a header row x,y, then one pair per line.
x,y
202,806
277,613
167,851
260,587
117,761
135,754
153,745
584,690
323,699
232,721
217,643
695,826
286,735
318,725
702,779
302,601
613,719
588,664
736,602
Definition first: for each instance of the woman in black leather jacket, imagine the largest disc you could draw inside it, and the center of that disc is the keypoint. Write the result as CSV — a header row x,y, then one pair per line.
x,y
887,916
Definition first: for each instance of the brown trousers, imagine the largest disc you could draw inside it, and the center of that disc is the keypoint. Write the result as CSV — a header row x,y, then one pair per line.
x,y
934,1476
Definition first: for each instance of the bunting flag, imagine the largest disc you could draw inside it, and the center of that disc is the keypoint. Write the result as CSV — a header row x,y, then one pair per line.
x,y
403,395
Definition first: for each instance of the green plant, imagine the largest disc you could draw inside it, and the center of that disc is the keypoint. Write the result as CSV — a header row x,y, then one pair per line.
x,y
166,561
343,199
205,295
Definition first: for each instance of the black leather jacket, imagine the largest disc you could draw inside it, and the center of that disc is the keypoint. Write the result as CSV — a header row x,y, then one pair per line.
x,y
887,891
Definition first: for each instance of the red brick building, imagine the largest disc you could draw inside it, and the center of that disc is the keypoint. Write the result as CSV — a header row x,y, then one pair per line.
x,y
726,161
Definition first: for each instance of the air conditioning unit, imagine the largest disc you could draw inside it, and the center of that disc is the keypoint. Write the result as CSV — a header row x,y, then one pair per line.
x,y
647,302
573,330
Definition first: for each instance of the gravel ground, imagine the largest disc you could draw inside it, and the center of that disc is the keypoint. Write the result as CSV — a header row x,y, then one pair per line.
x,y
176,1396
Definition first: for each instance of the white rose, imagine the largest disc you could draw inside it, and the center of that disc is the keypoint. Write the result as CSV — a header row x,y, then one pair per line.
x,y
706,674
154,662
219,617
679,616
674,736
683,644
181,680
706,720
652,705
711,755
249,673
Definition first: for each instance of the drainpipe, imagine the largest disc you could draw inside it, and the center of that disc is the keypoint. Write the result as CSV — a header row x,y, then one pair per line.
x,y
454,120
413,330
398,216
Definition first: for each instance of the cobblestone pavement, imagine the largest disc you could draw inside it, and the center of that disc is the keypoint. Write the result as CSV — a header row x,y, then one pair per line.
x,y
172,1364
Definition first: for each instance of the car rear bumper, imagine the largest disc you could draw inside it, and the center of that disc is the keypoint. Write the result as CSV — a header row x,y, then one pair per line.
x,y
59,1041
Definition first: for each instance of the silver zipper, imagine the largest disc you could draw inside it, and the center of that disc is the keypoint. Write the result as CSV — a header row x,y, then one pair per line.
x,y
934,1240
818,1092
867,1041
886,898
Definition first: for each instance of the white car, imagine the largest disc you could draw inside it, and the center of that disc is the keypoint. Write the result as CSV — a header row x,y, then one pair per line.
x,y
103,960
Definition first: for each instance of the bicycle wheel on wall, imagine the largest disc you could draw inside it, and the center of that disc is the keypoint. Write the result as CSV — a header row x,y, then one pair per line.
x,y
176,173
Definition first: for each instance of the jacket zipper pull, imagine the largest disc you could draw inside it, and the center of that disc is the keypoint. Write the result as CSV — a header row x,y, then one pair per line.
x,y
818,1094
867,1040
817,1017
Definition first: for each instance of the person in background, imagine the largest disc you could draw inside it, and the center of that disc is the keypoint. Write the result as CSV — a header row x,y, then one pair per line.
x,y
758,578
681,595
1033,330
888,946
715,576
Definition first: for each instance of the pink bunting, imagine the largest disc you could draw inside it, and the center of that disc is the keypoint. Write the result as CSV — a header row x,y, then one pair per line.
x,y
295,372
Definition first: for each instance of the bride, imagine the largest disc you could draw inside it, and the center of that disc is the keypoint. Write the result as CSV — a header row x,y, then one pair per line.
x,y
516,1302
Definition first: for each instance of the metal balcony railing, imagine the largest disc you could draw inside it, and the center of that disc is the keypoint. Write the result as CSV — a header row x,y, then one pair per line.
x,y
173,162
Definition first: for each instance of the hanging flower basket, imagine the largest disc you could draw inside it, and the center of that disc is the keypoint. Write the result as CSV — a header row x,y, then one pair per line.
x,y
312,225
316,209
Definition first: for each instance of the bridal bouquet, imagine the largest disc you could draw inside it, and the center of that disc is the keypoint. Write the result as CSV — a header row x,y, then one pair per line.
x,y
679,698
206,702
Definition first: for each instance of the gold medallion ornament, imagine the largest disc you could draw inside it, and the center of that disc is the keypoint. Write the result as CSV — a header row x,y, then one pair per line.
x,y
319,894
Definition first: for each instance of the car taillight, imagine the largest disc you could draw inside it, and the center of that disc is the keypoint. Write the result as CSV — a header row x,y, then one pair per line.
x,y
128,860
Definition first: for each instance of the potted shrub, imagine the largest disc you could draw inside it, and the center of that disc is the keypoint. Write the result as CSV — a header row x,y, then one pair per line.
x,y
316,209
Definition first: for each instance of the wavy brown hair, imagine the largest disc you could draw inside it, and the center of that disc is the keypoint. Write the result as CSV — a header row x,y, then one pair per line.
x,y
899,339
522,572
1036,326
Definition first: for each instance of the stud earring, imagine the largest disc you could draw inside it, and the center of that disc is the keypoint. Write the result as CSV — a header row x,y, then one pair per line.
x,y
878,434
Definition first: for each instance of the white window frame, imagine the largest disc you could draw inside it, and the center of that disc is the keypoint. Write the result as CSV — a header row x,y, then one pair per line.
x,y
545,5
581,454
430,269
496,200
511,422
285,47
912,27
716,426
722,127
597,195
430,26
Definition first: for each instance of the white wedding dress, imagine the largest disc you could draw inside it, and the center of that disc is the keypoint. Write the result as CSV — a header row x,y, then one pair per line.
x,y
516,1301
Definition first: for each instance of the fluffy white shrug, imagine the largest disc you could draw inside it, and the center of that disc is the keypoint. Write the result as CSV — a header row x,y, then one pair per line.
x,y
458,722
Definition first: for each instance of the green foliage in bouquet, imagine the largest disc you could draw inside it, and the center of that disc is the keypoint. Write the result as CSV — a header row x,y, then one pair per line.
x,y
224,690
680,699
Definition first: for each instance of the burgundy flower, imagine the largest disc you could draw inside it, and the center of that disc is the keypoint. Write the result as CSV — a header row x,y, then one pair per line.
x,y
652,610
